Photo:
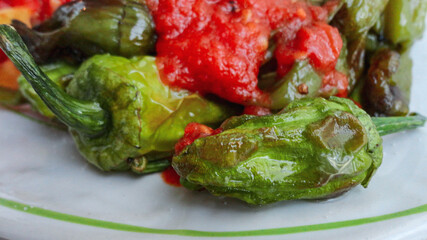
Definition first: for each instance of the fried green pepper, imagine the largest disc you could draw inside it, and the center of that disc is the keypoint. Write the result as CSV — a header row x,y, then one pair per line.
x,y
357,17
354,21
286,90
386,89
313,149
59,73
404,21
119,112
79,29
302,75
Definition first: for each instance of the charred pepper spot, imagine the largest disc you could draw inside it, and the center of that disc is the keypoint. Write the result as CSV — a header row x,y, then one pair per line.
x,y
340,131
226,150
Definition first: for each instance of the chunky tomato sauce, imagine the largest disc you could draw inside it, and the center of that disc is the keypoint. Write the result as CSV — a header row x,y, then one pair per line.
x,y
218,46
171,177
192,132
41,9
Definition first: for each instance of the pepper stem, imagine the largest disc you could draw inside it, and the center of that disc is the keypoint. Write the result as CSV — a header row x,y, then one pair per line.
x,y
389,125
83,116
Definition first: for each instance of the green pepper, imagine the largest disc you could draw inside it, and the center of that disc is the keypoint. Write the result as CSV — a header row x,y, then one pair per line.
x,y
313,149
302,74
286,90
357,17
404,21
354,21
59,73
80,28
119,112
386,89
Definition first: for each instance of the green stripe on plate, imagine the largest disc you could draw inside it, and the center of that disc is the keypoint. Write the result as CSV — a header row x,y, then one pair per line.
x,y
265,232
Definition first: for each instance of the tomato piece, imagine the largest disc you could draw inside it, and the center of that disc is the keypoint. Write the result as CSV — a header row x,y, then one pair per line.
x,y
256,111
335,80
171,177
192,132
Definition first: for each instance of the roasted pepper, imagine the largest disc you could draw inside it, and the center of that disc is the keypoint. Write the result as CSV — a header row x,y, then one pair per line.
x,y
387,86
313,149
302,81
78,29
119,112
354,20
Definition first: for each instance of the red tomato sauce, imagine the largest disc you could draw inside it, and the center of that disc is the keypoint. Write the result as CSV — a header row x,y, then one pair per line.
x,y
42,9
192,132
218,46
171,177
257,111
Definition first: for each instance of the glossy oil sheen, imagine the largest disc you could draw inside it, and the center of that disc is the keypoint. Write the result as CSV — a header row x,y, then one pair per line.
x,y
147,117
313,149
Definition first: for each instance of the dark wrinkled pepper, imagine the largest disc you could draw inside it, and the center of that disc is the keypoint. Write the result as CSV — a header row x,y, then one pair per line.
x,y
78,30
313,149
122,117
386,89
354,20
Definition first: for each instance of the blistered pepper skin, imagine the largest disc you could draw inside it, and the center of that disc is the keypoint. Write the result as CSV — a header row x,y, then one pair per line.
x,y
313,149
147,117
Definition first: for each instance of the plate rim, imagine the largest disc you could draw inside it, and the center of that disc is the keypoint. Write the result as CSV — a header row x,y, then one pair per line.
x,y
92,222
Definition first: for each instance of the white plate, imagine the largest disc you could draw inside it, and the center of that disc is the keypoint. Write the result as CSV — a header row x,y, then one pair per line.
x,y
47,191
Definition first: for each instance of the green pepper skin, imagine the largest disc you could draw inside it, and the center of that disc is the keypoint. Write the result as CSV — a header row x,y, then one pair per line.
x,y
313,149
147,118
357,17
404,21
285,90
56,72
387,86
89,27
354,20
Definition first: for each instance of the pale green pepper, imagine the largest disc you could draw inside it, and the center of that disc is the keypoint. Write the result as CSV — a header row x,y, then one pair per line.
x,y
404,21
120,114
